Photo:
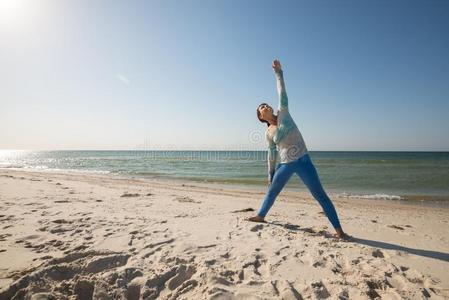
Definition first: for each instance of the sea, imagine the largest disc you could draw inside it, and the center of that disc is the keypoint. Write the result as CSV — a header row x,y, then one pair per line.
x,y
396,176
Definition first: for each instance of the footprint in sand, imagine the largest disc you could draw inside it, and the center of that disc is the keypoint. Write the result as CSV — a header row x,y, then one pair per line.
x,y
186,200
4,236
176,279
129,195
396,227
285,290
61,201
378,253
320,291
243,210
79,273
156,247
257,227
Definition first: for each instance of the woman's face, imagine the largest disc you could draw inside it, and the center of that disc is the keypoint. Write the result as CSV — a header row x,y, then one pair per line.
x,y
266,112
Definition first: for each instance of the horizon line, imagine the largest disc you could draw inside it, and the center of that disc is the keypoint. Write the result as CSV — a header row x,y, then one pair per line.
x,y
220,150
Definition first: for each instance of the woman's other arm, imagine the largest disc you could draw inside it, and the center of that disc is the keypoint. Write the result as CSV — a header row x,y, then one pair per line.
x,y
272,155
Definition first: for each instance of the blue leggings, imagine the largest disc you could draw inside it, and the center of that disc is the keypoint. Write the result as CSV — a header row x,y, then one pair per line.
x,y
307,172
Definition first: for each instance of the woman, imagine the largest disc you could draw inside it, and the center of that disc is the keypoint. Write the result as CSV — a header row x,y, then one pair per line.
x,y
285,139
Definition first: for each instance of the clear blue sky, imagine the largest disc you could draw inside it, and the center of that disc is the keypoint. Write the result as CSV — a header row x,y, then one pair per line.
x,y
360,75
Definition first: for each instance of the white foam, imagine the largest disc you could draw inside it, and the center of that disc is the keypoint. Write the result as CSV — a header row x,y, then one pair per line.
x,y
78,171
370,196
46,169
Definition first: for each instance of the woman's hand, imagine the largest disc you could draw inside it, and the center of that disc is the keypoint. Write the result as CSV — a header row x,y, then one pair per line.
x,y
277,66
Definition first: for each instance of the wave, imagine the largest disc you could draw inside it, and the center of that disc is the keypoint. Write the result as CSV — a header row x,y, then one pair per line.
x,y
79,171
370,196
10,166
47,169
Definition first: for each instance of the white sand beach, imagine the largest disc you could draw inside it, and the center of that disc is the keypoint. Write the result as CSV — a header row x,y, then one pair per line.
x,y
78,236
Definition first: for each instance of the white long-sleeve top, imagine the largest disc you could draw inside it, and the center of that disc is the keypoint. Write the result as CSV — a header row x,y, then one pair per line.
x,y
286,140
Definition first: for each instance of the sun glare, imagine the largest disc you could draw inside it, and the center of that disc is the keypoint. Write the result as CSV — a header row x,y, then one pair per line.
x,y
13,12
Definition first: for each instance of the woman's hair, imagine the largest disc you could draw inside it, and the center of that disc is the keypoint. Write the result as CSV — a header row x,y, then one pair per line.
x,y
259,116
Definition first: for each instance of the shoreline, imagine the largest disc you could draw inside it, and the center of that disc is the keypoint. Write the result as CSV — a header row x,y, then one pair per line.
x,y
436,201
178,239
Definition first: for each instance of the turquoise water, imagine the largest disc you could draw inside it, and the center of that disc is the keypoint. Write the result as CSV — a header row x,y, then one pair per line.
x,y
384,175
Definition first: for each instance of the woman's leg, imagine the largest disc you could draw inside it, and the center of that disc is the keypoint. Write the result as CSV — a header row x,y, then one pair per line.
x,y
307,172
281,177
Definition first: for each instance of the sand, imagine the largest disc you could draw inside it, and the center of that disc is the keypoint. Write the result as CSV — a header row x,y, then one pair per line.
x,y
88,236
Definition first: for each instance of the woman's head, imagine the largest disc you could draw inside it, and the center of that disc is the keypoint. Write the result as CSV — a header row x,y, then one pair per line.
x,y
264,113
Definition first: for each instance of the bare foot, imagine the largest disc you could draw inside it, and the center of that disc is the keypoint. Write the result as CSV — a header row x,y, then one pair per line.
x,y
341,235
256,219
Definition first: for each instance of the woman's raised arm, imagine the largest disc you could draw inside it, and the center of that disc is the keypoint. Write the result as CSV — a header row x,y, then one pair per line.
x,y
283,99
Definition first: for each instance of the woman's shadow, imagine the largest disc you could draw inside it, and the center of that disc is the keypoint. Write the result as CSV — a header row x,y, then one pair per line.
x,y
377,244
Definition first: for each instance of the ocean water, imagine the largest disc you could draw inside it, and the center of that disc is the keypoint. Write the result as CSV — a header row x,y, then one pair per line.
x,y
420,176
